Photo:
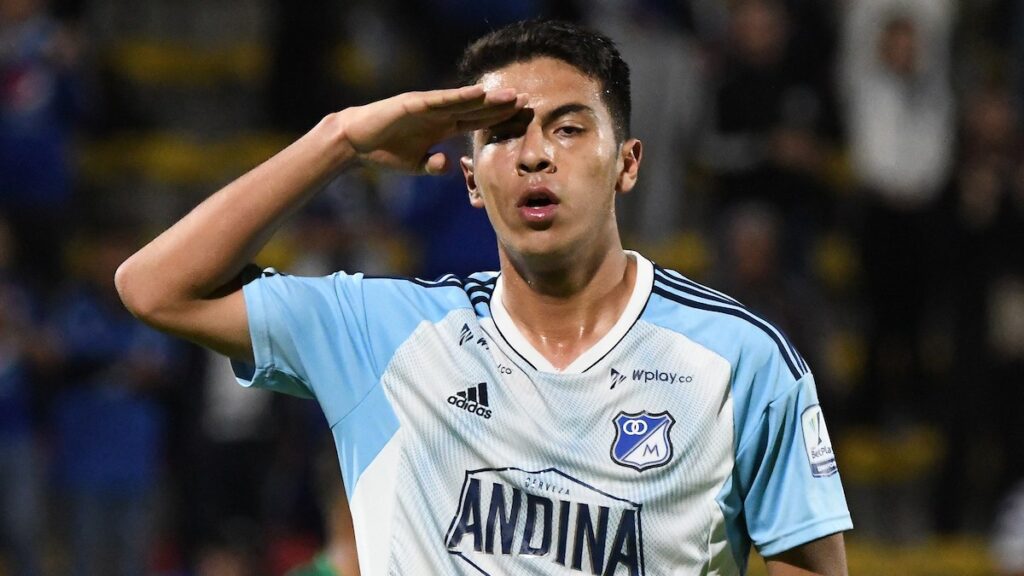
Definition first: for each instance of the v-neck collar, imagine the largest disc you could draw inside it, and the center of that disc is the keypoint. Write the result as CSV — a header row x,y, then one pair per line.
x,y
634,308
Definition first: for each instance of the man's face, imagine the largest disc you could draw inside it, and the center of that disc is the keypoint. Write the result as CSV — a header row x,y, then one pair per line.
x,y
548,176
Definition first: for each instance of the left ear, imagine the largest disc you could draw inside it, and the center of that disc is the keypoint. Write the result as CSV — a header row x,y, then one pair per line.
x,y
476,199
630,154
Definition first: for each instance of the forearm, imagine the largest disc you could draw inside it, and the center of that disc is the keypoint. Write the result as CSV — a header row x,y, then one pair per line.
x,y
207,249
185,281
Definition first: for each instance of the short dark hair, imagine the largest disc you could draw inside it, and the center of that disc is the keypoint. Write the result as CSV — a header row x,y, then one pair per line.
x,y
590,52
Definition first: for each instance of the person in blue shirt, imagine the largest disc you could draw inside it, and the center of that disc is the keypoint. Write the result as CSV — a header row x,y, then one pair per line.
x,y
579,410
41,100
21,351
107,415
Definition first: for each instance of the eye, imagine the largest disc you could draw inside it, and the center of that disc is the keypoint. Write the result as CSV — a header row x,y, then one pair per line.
x,y
505,131
569,130
496,136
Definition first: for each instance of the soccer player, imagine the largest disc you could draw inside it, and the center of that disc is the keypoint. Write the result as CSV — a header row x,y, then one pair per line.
x,y
579,411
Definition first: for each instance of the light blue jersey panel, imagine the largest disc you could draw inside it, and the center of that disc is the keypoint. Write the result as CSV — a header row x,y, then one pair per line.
x,y
784,491
331,338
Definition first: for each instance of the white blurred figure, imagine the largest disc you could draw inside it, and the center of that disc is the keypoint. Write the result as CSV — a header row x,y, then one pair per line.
x,y
900,115
660,54
1008,541
895,69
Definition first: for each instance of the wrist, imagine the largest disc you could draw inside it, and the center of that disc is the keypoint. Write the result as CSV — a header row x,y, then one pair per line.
x,y
332,132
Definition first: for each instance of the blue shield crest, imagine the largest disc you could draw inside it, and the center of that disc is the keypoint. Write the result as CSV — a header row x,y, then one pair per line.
x,y
642,439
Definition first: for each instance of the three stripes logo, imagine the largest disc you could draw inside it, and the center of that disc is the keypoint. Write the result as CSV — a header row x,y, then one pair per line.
x,y
473,400
616,378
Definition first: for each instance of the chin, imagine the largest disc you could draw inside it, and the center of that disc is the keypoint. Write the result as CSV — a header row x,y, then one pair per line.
x,y
542,250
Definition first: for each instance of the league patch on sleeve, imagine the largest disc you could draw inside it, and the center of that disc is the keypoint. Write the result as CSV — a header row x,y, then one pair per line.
x,y
817,443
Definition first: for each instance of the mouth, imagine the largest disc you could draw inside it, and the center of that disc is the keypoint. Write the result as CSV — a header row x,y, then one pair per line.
x,y
537,207
538,197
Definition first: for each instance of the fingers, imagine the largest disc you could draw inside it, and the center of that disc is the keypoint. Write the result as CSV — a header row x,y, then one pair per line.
x,y
471,125
453,100
467,98
484,118
505,109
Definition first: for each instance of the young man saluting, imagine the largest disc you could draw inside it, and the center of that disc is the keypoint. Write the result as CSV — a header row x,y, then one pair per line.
x,y
580,411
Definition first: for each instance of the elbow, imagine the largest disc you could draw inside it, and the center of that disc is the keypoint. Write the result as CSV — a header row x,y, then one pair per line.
x,y
135,296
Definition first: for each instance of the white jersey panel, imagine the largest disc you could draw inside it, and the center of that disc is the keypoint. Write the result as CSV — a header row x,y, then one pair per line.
x,y
526,479
372,506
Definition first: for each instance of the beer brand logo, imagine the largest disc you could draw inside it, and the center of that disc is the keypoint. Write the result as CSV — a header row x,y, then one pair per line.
x,y
546,521
817,443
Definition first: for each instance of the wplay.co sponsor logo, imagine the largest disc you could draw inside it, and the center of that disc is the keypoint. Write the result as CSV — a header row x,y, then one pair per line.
x,y
645,376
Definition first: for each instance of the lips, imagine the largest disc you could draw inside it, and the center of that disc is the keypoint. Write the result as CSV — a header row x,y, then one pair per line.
x,y
537,205
537,197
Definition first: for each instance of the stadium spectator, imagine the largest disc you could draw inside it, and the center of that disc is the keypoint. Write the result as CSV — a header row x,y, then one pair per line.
x,y
230,440
899,111
768,126
657,38
1008,534
40,98
234,550
338,556
985,255
750,267
21,495
447,234
108,419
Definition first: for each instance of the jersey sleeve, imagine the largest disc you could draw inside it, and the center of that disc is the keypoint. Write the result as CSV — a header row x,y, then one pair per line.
x,y
794,493
310,339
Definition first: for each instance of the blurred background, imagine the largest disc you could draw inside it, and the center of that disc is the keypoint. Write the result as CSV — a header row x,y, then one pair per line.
x,y
851,169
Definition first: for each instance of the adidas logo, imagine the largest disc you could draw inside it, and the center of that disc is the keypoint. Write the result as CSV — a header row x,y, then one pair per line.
x,y
616,377
473,400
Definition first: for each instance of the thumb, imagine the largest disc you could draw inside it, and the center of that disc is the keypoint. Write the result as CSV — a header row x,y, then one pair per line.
x,y
435,164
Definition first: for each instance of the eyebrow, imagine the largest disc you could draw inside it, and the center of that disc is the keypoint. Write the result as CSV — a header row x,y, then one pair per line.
x,y
566,109
563,110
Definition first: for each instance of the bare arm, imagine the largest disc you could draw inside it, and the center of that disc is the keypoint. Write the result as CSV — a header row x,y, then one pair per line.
x,y
185,282
823,557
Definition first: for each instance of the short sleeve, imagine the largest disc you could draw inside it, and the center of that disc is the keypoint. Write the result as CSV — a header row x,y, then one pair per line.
x,y
309,339
795,495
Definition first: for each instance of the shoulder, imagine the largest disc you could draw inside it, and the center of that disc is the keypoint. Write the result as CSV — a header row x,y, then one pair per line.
x,y
446,291
720,323
382,294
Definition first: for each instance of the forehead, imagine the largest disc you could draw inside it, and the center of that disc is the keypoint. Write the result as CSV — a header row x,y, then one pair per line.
x,y
548,83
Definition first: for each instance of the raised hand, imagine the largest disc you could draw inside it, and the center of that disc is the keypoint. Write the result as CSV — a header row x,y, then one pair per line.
x,y
399,131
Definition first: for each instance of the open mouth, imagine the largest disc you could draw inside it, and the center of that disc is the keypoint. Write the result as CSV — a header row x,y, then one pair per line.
x,y
537,207
538,198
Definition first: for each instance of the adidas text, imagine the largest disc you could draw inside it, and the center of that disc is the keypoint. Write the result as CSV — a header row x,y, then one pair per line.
x,y
473,400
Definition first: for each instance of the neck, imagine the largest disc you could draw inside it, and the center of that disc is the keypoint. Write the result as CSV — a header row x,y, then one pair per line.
x,y
565,310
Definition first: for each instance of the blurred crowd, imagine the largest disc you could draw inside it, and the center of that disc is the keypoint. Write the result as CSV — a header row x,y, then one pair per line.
x,y
851,169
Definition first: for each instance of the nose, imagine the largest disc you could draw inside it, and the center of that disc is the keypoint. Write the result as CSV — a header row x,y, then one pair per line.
x,y
535,154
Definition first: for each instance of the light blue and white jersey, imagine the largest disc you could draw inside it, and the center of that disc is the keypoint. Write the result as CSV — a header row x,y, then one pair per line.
x,y
690,431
